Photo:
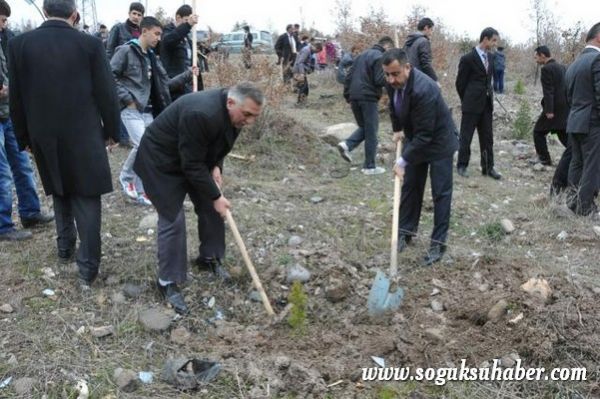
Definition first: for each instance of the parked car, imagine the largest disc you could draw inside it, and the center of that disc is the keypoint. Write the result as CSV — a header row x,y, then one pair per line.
x,y
233,42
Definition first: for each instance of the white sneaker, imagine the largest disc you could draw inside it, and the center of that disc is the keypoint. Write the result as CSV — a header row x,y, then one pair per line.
x,y
130,191
344,151
144,200
373,171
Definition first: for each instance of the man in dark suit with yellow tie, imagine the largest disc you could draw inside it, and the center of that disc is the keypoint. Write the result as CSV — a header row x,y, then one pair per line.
x,y
474,87
418,109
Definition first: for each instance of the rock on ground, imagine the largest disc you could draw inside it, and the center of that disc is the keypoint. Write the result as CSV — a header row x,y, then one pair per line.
x,y
126,379
334,134
154,319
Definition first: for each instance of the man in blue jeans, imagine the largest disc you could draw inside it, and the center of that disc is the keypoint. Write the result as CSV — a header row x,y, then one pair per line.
x,y
363,89
14,164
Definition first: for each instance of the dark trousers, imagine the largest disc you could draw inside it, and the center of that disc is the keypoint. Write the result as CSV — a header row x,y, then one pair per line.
x,y
560,180
302,89
413,189
366,114
483,123
172,241
541,146
584,176
499,81
85,212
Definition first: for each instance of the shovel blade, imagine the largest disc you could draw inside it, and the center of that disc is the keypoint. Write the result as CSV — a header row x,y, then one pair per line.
x,y
380,299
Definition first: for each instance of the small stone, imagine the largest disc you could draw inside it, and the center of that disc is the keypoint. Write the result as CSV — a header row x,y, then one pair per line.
x,y
596,290
562,236
437,306
477,276
282,362
497,311
597,230
316,199
154,319
48,272
484,287
438,283
149,222
435,292
133,291
211,302
295,241
537,287
103,331
126,380
434,334
507,226
6,308
538,167
12,360
507,362
180,335
24,386
297,273
337,290
118,298
100,299
255,296
236,272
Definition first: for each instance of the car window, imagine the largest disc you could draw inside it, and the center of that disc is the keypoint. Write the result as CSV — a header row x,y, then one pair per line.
x,y
237,37
226,38
265,36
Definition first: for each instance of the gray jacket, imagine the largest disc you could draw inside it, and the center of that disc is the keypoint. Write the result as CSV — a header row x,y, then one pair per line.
x,y
583,92
418,50
129,66
302,63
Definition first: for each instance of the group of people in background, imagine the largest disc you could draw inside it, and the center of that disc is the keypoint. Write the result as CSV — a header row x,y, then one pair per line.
x,y
124,90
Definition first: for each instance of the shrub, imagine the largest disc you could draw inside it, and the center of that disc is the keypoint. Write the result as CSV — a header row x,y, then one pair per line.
x,y
522,123
297,317
519,88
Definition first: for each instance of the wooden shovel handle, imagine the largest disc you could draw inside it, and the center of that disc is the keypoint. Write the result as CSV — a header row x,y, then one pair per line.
x,y
396,214
249,265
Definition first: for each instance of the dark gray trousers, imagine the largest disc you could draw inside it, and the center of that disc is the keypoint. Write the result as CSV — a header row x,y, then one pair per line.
x,y
584,175
80,215
172,240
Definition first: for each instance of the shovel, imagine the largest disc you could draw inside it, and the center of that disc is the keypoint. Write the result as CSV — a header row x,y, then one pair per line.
x,y
381,299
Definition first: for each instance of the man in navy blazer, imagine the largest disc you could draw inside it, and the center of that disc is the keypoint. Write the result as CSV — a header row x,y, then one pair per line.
x,y
474,87
430,140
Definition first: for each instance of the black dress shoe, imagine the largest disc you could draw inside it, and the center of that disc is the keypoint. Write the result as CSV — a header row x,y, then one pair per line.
x,y
215,266
403,241
434,254
173,295
66,256
462,171
16,235
37,220
492,173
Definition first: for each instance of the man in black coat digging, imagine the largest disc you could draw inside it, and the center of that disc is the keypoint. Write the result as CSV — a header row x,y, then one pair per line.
x,y
430,141
181,154
64,107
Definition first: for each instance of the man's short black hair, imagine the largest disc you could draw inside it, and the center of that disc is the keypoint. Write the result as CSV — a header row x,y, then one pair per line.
x,y
297,26
593,32
246,28
425,23
184,11
102,26
136,6
288,27
59,8
488,33
149,23
386,40
394,54
4,8
543,50
318,47
500,48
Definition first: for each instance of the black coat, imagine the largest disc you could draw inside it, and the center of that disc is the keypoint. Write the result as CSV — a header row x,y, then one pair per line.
x,y
474,83
181,147
555,98
365,79
583,92
283,49
175,46
64,106
430,133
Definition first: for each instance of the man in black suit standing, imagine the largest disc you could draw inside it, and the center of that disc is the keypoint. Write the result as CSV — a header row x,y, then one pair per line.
x,y
474,87
181,154
286,50
553,118
583,125
430,140
66,121
176,48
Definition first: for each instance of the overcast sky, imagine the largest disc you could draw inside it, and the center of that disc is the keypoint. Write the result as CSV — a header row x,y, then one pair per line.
x,y
510,17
